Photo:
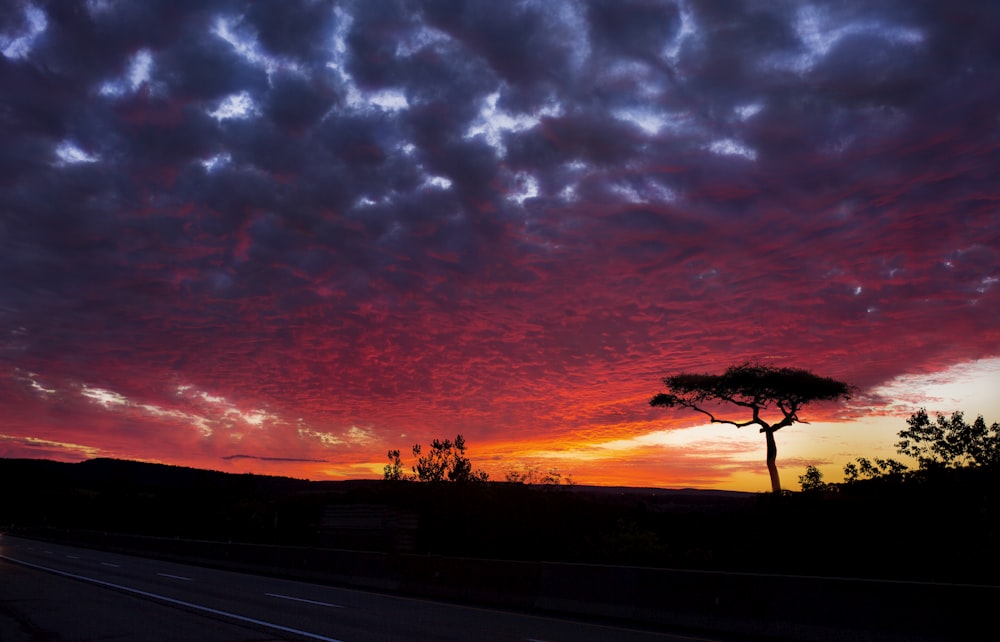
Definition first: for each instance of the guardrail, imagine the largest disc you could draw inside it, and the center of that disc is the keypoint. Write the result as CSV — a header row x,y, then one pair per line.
x,y
771,606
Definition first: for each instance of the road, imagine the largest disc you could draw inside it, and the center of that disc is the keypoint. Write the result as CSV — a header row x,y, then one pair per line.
x,y
52,592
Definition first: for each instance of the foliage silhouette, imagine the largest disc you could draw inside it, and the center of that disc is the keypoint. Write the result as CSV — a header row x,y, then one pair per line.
x,y
812,480
949,441
863,468
445,460
393,471
754,387
532,476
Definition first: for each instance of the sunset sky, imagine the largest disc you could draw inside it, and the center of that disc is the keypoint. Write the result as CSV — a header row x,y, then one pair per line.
x,y
285,237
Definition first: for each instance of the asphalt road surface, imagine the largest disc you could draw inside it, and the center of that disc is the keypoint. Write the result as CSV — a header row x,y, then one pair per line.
x,y
55,593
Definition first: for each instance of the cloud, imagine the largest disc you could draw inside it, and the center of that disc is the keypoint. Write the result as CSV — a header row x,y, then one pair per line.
x,y
503,219
274,459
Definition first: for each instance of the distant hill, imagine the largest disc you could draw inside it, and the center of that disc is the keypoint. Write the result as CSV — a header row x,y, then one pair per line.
x,y
119,473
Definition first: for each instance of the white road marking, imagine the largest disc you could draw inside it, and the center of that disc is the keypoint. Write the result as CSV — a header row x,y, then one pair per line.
x,y
175,577
171,600
110,564
299,599
73,557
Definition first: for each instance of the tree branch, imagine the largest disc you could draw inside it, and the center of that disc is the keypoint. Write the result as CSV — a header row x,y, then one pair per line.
x,y
789,413
714,420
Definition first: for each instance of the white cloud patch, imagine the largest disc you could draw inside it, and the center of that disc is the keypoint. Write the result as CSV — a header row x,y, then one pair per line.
x,y
730,147
969,387
248,48
202,424
649,122
572,20
360,436
42,389
493,122
139,72
19,45
418,39
819,32
70,154
748,111
239,105
353,436
324,438
687,31
254,418
215,162
106,398
388,99
439,182
645,190
525,187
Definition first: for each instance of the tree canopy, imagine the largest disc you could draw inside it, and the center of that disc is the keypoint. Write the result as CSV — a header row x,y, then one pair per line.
x,y
445,460
949,441
755,388
944,443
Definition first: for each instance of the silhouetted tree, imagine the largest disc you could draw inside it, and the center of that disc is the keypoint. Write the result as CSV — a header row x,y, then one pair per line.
x,y
949,441
445,460
812,480
864,468
756,388
393,471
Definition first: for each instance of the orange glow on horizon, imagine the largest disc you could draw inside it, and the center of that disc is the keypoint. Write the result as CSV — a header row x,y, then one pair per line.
x,y
662,449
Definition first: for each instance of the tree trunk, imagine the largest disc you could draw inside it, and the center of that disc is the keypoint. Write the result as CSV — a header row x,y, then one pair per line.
x,y
772,467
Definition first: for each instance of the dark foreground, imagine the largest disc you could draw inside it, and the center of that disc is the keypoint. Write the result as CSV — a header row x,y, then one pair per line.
x,y
53,592
701,604
893,559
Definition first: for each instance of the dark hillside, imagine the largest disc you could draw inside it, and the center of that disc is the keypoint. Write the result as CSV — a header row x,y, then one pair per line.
x,y
938,526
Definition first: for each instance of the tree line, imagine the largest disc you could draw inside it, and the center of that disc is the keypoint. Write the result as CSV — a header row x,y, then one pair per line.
x,y
944,443
445,460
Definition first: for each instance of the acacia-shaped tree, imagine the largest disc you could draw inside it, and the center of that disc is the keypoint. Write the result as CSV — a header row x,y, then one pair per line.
x,y
756,388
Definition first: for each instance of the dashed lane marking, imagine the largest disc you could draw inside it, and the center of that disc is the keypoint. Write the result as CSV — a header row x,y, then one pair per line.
x,y
300,599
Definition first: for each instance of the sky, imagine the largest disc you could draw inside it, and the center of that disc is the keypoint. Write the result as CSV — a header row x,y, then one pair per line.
x,y
286,237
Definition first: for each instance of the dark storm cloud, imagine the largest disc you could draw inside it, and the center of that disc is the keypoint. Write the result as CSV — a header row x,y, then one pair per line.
x,y
516,41
207,69
296,103
640,29
326,208
296,29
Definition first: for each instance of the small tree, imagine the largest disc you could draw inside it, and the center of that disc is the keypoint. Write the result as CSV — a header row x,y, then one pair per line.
x,y
812,480
756,388
445,460
393,471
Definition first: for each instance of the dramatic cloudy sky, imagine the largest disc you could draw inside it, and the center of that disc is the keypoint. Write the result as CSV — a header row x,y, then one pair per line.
x,y
284,237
